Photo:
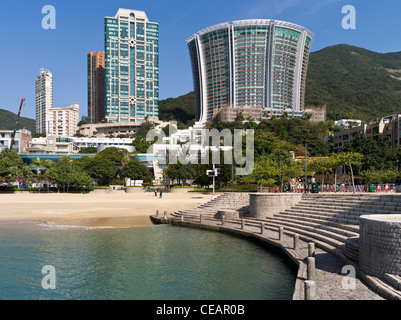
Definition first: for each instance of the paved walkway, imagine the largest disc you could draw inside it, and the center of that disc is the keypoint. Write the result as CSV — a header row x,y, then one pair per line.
x,y
332,282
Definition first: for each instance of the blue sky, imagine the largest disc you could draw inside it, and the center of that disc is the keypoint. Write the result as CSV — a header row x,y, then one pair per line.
x,y
27,47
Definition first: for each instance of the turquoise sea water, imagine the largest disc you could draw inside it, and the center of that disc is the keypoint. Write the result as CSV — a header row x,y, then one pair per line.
x,y
141,263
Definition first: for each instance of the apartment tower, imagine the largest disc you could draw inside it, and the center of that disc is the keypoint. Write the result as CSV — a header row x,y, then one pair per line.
x,y
63,122
256,67
96,93
44,99
131,67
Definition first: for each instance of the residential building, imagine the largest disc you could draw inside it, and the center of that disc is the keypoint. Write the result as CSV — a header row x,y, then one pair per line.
x,y
63,122
318,114
131,67
256,66
52,144
115,129
22,140
386,127
44,99
348,123
96,87
85,142
72,145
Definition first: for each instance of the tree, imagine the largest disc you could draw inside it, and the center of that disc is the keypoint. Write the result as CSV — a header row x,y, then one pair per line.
x,y
141,145
63,175
240,117
99,168
346,159
118,156
377,153
135,170
11,166
322,165
42,168
379,176
266,169
82,179
88,150
143,129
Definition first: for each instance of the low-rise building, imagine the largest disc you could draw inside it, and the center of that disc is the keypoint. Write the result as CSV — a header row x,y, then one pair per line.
x,y
348,123
72,145
115,129
318,114
22,140
386,127
52,144
85,142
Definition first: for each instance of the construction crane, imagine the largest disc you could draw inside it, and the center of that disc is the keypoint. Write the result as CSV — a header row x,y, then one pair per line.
x,y
16,124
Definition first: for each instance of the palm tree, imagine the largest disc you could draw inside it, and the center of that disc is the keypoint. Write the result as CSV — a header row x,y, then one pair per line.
x,y
37,165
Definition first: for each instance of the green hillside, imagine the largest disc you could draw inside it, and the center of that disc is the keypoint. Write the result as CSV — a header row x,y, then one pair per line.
x,y
181,108
354,82
7,121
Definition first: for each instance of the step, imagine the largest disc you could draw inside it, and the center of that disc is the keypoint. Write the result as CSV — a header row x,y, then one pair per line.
x,y
339,234
393,280
324,214
302,231
308,228
343,224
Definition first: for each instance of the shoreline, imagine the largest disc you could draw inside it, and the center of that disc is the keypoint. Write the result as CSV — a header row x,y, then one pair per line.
x,y
118,210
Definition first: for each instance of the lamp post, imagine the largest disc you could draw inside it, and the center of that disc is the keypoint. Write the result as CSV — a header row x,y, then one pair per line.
x,y
306,164
232,171
281,179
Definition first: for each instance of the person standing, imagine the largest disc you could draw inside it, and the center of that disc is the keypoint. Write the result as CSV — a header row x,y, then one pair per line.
x,y
358,184
161,193
398,184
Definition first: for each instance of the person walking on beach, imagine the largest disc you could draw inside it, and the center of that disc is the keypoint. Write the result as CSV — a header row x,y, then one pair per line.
x,y
155,192
358,184
397,184
161,193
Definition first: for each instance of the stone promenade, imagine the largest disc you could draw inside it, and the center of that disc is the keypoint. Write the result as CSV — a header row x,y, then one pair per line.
x,y
332,282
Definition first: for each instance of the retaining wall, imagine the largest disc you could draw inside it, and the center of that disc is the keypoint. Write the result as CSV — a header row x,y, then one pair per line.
x,y
267,204
380,244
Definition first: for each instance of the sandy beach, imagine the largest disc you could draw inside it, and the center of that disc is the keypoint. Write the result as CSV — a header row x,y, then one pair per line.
x,y
94,209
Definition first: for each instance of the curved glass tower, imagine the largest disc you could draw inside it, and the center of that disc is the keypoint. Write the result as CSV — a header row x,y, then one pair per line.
x,y
257,67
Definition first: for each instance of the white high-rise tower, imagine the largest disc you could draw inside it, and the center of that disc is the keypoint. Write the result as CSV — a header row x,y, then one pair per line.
x,y
44,99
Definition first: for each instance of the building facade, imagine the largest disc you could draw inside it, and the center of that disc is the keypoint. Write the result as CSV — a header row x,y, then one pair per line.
x,y
22,140
115,129
387,127
63,122
250,64
44,99
72,145
96,93
317,114
131,67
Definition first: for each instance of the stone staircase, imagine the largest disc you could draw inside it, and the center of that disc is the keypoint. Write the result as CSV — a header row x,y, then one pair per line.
x,y
333,219
235,203
330,220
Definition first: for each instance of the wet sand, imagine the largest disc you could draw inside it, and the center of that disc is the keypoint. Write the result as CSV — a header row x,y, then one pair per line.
x,y
94,209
